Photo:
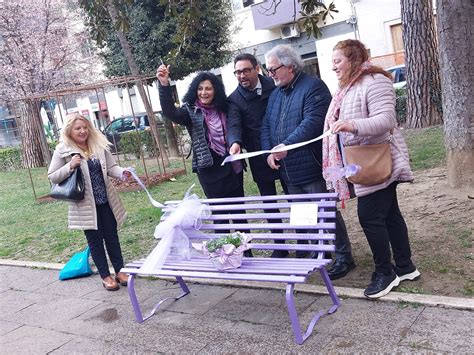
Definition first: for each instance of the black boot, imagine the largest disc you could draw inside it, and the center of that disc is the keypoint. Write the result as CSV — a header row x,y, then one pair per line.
x,y
279,254
248,253
340,268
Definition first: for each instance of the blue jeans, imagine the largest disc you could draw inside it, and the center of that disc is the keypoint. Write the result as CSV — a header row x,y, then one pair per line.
x,y
343,245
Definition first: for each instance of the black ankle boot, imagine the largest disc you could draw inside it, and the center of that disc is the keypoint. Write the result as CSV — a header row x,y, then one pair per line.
x,y
340,268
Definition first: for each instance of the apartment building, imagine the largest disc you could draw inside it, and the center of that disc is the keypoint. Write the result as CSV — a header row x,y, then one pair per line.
x,y
261,26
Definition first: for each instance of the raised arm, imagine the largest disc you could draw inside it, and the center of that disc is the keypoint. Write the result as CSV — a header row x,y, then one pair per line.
x,y
170,111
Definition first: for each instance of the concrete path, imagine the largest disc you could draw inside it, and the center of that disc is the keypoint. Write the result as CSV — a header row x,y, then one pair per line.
x,y
42,315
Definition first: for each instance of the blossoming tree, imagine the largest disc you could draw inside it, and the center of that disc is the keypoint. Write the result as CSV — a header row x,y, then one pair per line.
x,y
43,47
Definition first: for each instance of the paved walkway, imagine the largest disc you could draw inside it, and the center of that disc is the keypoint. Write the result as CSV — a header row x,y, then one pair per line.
x,y
42,315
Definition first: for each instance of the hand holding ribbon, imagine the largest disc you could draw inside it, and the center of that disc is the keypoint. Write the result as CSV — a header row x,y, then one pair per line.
x,y
155,203
277,149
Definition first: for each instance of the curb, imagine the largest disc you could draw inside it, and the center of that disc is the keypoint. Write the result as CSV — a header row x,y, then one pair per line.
x,y
343,292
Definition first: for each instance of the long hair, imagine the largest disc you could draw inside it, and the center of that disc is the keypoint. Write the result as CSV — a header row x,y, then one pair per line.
x,y
96,140
286,55
220,99
357,54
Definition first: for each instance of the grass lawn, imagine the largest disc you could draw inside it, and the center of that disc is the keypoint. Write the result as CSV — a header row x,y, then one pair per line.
x,y
38,231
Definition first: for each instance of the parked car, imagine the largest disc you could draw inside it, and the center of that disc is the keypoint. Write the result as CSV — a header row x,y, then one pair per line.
x,y
121,125
399,76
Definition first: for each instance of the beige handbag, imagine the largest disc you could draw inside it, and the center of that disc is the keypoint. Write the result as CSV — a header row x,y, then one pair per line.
x,y
375,161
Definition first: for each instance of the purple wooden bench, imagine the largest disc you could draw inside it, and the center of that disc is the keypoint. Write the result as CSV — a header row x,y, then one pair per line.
x,y
257,211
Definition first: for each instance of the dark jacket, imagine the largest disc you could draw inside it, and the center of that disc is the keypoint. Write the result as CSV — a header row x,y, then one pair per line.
x,y
193,119
244,119
296,114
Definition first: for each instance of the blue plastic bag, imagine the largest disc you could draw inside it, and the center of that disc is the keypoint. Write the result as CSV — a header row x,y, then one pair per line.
x,y
77,266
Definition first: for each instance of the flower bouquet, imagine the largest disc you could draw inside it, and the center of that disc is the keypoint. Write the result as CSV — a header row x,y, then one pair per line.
x,y
225,252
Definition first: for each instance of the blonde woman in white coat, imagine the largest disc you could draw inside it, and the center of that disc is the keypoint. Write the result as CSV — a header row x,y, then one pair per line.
x,y
101,211
363,109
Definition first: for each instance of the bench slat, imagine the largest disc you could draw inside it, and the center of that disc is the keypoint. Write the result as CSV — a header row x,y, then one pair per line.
x,y
193,234
293,247
259,206
279,261
265,216
221,275
290,266
266,226
298,197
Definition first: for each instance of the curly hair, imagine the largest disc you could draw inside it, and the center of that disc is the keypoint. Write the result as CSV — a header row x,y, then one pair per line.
x,y
357,54
220,98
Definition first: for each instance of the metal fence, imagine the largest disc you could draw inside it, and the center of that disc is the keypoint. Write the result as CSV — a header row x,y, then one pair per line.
x,y
9,134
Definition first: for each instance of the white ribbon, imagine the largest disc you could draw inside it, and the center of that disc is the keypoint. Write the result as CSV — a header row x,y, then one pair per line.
x,y
172,232
240,156
142,185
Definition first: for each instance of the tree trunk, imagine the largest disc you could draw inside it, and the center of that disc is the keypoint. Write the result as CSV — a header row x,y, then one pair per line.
x,y
171,137
424,107
32,147
455,27
134,70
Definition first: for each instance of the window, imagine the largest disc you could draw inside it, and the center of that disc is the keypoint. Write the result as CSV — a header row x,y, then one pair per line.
x,y
241,4
128,124
115,126
397,37
311,67
402,76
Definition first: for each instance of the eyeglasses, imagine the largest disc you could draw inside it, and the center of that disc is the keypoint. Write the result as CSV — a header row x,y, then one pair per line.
x,y
245,71
274,70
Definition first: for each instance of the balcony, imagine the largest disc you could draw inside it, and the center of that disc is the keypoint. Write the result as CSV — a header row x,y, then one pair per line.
x,y
265,17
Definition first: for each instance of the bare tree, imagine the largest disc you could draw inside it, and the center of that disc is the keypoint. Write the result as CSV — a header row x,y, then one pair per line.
x,y
39,52
105,9
424,106
456,31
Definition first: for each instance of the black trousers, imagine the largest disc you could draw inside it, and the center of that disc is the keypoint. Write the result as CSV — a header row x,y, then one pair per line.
x,y
385,228
236,180
106,232
268,188
342,243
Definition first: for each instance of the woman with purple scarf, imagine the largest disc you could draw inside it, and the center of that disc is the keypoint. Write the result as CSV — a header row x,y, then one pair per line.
x,y
204,115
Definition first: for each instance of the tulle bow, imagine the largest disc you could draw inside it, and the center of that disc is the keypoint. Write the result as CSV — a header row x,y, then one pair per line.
x,y
185,216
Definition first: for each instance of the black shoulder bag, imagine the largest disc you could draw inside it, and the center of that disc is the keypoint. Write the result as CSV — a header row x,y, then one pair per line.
x,y
72,188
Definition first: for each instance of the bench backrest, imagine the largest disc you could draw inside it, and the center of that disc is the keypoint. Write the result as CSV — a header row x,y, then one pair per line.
x,y
266,219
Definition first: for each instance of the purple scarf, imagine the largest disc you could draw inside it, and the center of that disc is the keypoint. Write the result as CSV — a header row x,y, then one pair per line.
x,y
215,121
216,131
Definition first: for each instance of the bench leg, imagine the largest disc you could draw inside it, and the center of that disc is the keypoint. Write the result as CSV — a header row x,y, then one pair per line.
x,y
295,323
329,286
140,318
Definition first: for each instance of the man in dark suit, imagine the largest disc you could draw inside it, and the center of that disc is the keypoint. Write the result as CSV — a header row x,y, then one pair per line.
x,y
247,105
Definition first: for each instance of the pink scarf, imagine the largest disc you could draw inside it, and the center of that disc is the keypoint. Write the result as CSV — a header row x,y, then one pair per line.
x,y
332,157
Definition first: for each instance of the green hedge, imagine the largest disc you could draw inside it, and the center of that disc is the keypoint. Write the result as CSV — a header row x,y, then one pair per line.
x,y
401,105
10,159
130,143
